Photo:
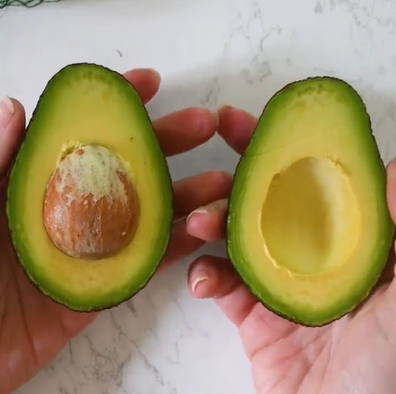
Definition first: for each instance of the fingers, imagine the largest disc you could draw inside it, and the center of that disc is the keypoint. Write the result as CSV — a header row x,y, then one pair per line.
x,y
236,127
191,193
211,277
180,246
145,81
199,190
12,125
12,114
391,189
209,222
184,130
388,273
180,131
214,277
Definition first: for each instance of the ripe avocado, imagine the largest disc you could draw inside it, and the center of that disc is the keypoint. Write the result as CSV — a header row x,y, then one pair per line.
x,y
308,226
90,199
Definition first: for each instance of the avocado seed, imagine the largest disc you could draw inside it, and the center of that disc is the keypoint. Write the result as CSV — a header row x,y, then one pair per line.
x,y
90,206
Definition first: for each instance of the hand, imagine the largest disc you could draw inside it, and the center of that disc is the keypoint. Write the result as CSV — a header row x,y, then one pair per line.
x,y
33,329
356,354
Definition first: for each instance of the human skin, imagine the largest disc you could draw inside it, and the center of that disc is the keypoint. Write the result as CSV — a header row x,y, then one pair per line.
x,y
354,355
33,329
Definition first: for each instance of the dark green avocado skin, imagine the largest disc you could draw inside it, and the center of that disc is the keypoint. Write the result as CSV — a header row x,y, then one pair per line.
x,y
261,295
112,303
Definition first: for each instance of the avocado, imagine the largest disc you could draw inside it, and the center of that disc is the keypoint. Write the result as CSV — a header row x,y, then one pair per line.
x,y
90,199
308,227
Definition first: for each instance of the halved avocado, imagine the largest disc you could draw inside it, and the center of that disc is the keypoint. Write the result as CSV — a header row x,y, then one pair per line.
x,y
89,106
309,229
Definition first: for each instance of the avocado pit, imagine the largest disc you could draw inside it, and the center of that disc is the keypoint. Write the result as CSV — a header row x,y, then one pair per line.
x,y
90,208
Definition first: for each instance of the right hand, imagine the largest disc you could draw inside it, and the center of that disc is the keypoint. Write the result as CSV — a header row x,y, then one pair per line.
x,y
356,354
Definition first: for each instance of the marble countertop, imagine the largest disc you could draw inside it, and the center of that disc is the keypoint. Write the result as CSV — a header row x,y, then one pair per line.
x,y
209,52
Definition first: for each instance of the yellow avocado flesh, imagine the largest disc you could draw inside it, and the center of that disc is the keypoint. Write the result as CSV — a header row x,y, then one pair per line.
x,y
308,229
89,104
310,219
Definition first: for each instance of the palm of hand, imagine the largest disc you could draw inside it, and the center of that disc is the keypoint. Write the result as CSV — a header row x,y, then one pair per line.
x,y
355,354
338,358
32,328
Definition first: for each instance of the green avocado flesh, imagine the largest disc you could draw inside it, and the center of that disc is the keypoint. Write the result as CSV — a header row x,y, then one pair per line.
x,y
88,104
308,228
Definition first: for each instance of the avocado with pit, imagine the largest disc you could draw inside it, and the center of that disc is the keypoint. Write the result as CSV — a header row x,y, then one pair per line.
x,y
90,199
308,227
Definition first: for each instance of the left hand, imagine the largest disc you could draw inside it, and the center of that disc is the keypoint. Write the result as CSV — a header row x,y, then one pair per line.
x,y
33,329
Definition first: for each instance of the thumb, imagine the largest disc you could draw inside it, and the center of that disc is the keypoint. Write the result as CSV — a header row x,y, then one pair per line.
x,y
389,271
388,299
12,124
391,189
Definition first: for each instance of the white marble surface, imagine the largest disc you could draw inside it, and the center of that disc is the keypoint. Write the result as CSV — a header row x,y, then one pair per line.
x,y
210,52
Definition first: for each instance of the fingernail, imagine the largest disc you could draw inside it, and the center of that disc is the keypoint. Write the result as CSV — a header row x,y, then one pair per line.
x,y
391,168
225,107
199,280
6,111
201,210
215,115
157,74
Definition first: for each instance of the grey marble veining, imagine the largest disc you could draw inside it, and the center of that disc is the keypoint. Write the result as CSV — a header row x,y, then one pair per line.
x,y
210,53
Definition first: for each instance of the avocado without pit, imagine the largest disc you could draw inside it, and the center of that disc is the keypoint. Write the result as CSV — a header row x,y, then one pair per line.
x,y
308,227
90,200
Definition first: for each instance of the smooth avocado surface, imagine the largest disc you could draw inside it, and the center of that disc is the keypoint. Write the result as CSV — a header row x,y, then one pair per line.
x,y
87,105
308,225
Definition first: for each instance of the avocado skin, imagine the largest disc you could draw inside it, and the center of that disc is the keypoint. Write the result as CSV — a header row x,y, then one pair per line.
x,y
42,289
235,261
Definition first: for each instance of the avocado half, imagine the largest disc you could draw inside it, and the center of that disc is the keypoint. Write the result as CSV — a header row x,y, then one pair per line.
x,y
308,226
90,105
